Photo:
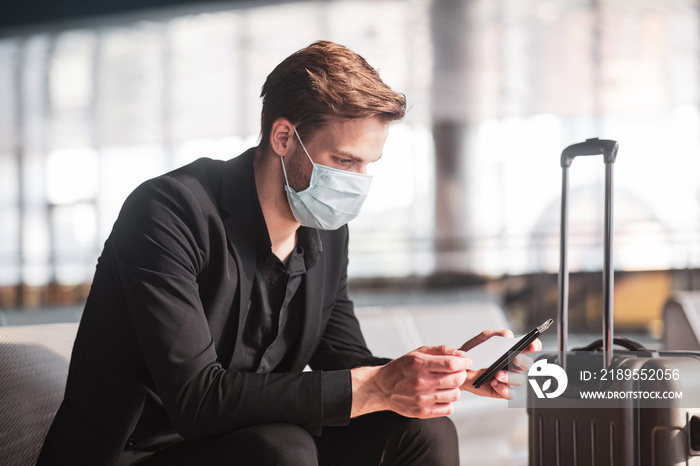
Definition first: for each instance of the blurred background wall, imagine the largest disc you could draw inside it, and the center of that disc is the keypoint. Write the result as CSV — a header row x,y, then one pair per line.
x,y
96,98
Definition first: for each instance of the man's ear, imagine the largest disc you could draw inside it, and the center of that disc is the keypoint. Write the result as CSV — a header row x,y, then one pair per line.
x,y
282,137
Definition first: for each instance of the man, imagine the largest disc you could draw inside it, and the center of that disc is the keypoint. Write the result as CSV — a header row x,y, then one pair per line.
x,y
222,281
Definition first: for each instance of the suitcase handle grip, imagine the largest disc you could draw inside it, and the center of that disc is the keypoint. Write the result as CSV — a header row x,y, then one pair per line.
x,y
624,342
592,146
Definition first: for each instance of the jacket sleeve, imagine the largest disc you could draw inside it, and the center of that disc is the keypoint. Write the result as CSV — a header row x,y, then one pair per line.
x,y
157,249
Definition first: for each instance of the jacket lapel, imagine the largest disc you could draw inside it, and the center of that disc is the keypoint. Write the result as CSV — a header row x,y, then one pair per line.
x,y
239,200
313,288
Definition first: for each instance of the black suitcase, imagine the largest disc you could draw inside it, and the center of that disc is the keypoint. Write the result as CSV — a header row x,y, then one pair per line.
x,y
639,418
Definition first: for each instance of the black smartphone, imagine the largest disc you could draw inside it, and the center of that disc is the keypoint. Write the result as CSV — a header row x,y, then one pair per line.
x,y
503,362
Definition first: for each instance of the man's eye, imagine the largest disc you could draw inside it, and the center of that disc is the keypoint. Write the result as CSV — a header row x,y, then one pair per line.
x,y
343,161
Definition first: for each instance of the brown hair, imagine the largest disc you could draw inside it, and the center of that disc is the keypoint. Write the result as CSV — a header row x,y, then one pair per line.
x,y
325,81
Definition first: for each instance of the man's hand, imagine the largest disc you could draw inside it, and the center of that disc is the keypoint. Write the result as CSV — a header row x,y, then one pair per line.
x,y
499,386
423,383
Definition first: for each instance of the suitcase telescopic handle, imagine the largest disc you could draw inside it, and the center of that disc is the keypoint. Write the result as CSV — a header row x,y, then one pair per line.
x,y
594,146
608,149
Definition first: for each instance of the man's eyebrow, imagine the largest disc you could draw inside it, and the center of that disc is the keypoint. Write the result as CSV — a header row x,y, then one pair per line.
x,y
347,155
351,156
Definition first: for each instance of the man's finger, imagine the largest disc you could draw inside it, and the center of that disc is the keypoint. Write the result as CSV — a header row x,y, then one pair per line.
x,y
444,396
440,359
447,363
502,389
441,409
485,335
512,379
534,347
448,380
443,350
523,362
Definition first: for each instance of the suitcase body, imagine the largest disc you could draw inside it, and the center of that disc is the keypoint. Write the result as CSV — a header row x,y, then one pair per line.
x,y
628,431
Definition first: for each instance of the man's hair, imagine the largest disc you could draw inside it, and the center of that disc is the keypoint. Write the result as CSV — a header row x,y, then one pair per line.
x,y
323,82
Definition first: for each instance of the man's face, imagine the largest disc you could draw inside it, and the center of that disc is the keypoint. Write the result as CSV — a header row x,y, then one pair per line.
x,y
349,145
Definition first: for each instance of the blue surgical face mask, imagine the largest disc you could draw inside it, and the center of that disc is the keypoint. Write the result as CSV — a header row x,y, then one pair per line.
x,y
333,198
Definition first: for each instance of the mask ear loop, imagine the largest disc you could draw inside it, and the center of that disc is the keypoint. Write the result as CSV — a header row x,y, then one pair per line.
x,y
302,145
284,170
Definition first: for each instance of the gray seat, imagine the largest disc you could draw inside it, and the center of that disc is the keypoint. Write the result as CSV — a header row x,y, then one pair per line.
x,y
33,367
681,317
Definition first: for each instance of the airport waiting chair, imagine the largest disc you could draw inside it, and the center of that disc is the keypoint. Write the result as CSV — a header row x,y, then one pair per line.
x,y
33,370
681,316
34,366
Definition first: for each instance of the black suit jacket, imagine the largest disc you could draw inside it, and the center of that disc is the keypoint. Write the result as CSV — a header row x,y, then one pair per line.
x,y
164,314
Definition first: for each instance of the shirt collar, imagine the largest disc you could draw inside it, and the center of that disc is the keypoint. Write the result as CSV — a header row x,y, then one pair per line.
x,y
310,240
305,254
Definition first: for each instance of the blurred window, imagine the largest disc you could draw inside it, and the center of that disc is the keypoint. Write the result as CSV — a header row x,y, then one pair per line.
x,y
89,113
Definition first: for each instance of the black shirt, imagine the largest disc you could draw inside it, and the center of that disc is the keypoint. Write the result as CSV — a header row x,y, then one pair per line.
x,y
273,323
